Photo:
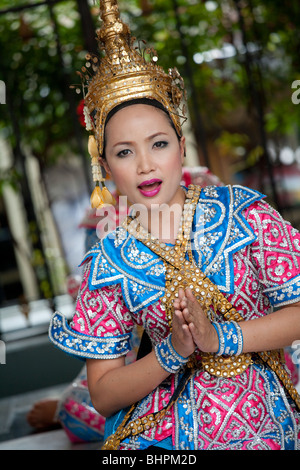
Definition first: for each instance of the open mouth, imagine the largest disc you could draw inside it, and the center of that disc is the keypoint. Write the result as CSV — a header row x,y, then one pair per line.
x,y
150,188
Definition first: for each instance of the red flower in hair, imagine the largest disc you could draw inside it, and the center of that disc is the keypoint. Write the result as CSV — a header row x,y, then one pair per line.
x,y
80,112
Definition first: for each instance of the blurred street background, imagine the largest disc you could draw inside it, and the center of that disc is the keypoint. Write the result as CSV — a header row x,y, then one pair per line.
x,y
240,60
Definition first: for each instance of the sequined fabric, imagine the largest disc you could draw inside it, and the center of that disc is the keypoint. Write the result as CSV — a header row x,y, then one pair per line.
x,y
254,256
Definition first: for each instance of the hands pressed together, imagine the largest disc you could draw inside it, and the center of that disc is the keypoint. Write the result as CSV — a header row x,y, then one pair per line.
x,y
191,327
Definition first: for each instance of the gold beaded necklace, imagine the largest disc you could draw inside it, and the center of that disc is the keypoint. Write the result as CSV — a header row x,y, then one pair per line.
x,y
183,272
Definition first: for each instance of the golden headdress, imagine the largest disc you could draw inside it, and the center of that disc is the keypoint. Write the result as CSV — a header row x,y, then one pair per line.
x,y
123,74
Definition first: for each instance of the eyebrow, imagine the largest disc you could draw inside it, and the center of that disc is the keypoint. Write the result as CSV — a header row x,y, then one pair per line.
x,y
150,137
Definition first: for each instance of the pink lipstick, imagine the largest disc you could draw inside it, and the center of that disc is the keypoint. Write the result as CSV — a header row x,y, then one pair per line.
x,y
150,188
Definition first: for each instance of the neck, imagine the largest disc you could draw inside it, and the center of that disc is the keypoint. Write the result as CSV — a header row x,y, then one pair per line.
x,y
163,220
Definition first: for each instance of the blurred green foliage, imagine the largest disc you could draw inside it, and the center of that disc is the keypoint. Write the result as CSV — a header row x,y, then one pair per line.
x,y
204,39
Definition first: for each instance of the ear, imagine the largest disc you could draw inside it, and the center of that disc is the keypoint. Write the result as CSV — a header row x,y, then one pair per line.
x,y
182,149
105,165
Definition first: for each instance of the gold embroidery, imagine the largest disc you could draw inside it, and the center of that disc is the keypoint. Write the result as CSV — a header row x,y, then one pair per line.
x,y
181,272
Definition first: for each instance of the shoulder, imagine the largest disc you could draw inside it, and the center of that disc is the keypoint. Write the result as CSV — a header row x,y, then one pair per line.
x,y
119,258
114,239
105,259
220,229
236,195
223,207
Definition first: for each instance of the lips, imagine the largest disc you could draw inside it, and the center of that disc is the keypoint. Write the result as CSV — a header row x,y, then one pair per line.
x,y
150,188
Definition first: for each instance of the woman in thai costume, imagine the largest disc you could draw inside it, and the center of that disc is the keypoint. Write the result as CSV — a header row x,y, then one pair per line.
x,y
201,270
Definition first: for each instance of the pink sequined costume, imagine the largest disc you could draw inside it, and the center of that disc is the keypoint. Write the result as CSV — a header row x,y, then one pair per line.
x,y
253,256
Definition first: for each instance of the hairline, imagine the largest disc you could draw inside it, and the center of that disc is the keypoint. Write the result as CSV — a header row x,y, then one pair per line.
x,y
145,101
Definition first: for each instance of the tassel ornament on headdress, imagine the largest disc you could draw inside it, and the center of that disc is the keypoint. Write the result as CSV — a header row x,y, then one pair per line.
x,y
125,73
99,197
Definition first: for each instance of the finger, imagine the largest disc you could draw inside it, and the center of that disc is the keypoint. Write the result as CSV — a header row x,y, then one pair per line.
x,y
189,294
181,294
192,328
179,317
193,332
191,299
180,301
186,315
186,331
183,303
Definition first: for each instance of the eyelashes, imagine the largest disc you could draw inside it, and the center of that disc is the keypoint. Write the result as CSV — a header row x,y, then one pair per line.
x,y
161,144
123,153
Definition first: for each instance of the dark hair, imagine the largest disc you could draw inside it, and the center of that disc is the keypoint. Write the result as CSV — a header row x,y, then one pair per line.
x,y
146,101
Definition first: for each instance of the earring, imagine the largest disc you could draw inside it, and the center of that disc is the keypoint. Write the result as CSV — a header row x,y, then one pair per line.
x,y
100,196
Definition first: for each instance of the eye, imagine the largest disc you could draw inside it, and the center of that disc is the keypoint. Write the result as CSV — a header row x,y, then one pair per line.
x,y
161,144
123,153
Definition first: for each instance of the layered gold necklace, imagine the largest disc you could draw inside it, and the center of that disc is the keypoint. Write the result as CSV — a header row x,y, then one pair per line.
x,y
183,272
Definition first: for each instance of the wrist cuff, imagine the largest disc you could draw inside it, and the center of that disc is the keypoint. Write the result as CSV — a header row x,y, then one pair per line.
x,y
167,357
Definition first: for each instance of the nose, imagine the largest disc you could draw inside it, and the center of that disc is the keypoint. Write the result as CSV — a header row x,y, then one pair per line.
x,y
145,163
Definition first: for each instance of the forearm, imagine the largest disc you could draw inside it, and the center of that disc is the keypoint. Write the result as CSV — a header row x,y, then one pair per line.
x,y
274,331
124,385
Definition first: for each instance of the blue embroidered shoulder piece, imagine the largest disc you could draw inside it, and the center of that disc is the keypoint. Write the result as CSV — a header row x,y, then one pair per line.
x,y
219,230
120,258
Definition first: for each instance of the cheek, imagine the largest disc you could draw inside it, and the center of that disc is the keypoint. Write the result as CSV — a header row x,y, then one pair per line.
x,y
116,175
120,174
175,162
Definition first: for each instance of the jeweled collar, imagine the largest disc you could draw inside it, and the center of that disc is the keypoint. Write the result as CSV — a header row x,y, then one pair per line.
x,y
178,250
219,229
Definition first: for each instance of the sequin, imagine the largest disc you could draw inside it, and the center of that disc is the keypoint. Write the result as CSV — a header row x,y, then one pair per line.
x,y
249,411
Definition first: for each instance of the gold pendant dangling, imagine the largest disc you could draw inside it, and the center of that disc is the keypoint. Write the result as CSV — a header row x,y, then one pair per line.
x,y
107,196
99,196
96,197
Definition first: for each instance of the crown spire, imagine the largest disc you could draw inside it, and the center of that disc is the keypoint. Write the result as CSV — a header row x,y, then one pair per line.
x,y
113,34
125,74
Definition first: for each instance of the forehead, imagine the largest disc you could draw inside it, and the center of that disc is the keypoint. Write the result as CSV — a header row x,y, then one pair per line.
x,y
137,113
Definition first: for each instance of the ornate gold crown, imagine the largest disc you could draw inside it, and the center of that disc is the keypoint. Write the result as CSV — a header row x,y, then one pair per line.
x,y
126,73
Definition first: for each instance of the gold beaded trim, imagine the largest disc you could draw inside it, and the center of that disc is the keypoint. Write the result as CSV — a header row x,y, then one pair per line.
x,y
181,272
140,425
221,366
275,360
135,427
